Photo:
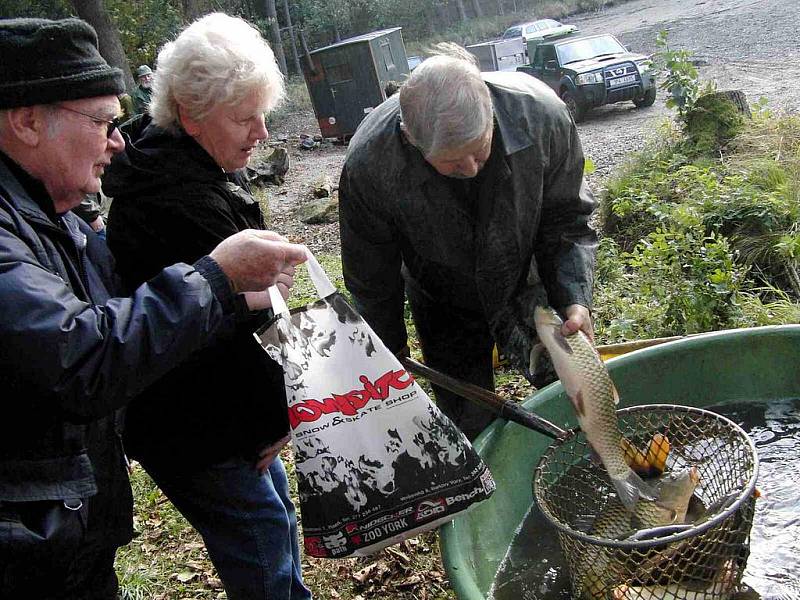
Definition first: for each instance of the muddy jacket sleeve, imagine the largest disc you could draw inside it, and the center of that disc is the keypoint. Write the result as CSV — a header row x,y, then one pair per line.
x,y
85,360
371,258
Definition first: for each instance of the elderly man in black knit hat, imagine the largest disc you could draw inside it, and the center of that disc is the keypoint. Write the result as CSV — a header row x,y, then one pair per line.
x,y
72,354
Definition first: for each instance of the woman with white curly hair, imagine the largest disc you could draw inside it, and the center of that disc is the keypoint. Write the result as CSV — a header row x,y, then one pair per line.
x,y
209,433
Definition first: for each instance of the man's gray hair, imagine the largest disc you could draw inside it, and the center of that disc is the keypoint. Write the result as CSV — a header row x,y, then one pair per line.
x,y
445,102
217,60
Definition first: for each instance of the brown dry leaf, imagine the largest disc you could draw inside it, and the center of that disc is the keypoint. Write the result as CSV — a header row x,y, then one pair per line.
x,y
401,556
214,583
366,573
194,546
409,581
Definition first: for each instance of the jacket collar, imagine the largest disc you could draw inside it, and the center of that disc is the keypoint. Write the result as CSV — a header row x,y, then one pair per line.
x,y
19,191
505,91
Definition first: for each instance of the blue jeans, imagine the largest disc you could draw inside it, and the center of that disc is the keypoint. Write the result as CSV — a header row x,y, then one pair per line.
x,y
248,524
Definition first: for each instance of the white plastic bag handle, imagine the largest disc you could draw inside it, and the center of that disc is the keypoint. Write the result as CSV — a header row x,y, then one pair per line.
x,y
318,277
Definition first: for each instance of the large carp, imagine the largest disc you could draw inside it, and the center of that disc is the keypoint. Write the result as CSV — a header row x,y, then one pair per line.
x,y
594,398
602,567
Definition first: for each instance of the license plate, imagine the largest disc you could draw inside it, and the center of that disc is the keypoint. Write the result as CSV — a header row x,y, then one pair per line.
x,y
621,80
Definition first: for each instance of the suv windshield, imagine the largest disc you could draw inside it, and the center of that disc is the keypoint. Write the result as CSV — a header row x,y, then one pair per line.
x,y
588,48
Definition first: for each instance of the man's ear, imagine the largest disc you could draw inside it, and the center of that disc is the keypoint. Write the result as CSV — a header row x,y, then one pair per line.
x,y
28,124
190,125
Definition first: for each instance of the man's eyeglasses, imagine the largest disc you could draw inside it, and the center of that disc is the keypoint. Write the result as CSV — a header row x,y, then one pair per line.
x,y
110,125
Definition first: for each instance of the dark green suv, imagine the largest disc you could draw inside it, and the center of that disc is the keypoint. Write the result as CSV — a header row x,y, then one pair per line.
x,y
591,71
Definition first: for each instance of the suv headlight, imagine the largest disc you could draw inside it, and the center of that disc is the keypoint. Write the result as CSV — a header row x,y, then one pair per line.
x,y
644,66
587,78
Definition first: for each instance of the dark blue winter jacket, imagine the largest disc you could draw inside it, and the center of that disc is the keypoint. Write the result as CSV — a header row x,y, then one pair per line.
x,y
71,354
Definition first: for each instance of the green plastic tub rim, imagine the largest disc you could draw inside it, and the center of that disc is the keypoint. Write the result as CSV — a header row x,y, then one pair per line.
x,y
759,363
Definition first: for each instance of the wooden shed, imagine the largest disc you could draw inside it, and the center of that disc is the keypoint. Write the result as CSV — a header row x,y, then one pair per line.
x,y
347,79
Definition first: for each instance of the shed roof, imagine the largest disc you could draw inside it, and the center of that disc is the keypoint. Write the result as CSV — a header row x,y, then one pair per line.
x,y
366,37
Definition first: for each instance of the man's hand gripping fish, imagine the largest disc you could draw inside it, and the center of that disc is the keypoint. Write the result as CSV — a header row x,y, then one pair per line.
x,y
594,397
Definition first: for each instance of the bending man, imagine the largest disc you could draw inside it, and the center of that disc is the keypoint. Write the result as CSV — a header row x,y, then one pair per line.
x,y
465,192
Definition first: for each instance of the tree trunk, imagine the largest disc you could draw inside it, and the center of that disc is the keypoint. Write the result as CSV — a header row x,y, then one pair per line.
x,y
290,28
192,9
94,13
442,16
500,8
476,5
462,13
275,33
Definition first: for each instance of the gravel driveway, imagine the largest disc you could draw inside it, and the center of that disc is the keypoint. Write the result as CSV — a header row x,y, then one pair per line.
x,y
750,45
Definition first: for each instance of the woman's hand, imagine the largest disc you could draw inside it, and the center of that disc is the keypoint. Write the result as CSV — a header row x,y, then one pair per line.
x,y
268,454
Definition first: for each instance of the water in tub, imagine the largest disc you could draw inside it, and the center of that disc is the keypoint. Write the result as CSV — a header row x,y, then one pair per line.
x,y
534,569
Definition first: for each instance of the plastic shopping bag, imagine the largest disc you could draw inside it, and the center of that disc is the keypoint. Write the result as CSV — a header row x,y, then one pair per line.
x,y
376,460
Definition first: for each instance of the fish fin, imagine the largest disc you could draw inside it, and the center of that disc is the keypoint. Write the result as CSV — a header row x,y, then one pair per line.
x,y
658,452
631,488
634,457
614,393
536,354
559,338
595,457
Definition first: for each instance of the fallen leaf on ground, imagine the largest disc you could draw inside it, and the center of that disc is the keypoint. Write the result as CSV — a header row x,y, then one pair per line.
x,y
365,573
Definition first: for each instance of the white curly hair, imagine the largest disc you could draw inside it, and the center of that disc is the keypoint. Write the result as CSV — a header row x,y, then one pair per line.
x,y
218,59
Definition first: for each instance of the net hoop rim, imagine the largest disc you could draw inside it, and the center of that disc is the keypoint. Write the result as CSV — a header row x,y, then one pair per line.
x,y
748,490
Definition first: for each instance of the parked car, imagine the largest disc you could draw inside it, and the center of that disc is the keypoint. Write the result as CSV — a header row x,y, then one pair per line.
x,y
541,29
591,71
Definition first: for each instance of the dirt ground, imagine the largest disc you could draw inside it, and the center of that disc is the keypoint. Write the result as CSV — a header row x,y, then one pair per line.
x,y
747,45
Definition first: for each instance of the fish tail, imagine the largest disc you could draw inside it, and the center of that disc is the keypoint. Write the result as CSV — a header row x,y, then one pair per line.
x,y
631,488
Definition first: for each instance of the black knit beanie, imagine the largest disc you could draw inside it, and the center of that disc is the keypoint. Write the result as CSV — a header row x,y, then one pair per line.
x,y
43,62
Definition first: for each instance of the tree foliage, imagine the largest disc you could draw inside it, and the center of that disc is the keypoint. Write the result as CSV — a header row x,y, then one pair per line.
x,y
145,25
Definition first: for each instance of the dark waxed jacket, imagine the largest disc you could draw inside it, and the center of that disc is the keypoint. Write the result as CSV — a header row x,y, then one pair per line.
x,y
527,241
173,203
71,354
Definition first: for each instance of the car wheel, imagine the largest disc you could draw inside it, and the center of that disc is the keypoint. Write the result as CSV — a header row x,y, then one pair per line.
x,y
575,108
646,100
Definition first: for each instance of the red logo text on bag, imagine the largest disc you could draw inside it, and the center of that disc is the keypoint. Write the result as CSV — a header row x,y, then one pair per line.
x,y
350,403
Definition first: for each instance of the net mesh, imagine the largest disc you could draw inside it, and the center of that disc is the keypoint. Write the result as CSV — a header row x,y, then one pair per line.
x,y
704,560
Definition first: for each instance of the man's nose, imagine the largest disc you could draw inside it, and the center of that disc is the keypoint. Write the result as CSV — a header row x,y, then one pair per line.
x,y
469,166
116,143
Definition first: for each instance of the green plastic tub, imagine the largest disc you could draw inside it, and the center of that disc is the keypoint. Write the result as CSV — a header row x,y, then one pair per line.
x,y
761,363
